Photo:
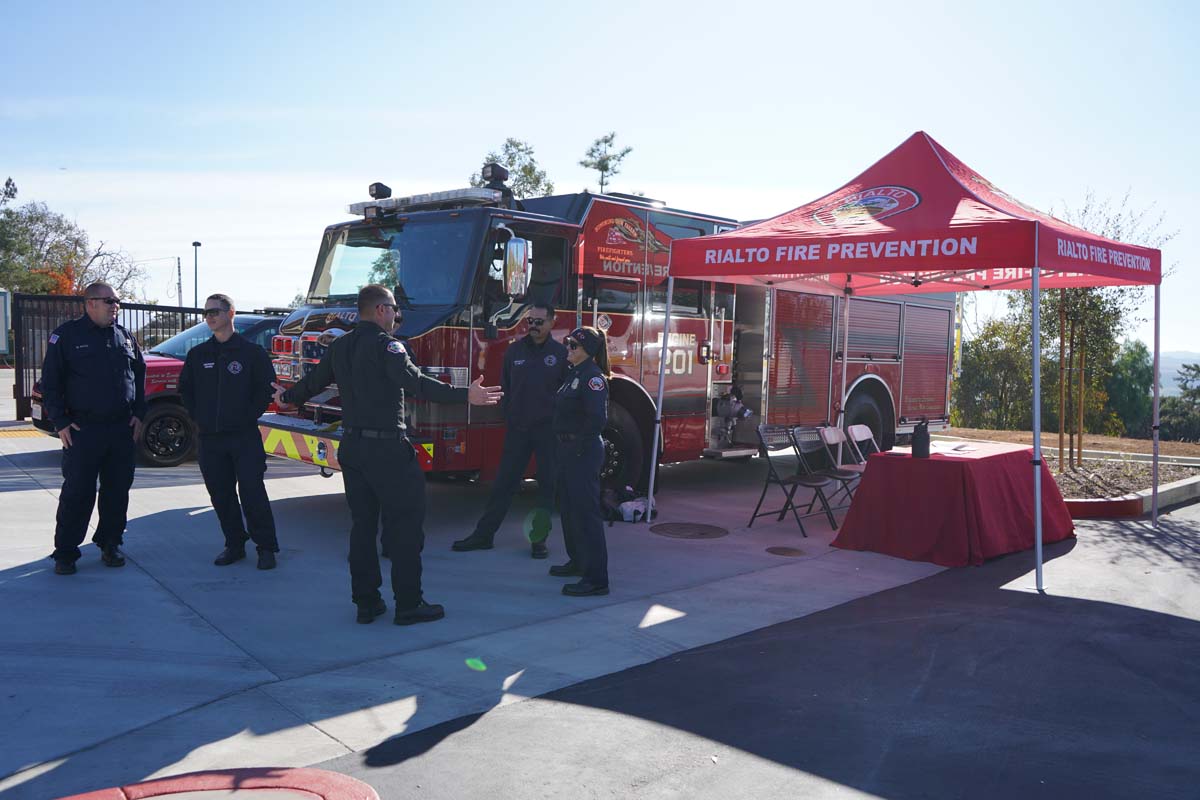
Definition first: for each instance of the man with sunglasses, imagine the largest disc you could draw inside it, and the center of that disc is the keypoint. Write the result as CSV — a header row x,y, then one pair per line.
x,y
534,367
375,376
93,389
226,386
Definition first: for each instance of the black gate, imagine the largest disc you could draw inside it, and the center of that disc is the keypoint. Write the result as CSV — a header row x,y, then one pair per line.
x,y
35,316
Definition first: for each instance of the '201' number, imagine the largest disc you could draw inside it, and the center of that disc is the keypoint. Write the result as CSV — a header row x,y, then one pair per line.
x,y
679,362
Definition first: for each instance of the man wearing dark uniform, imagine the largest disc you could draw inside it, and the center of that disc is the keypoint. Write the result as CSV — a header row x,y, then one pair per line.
x,y
375,376
93,391
534,368
580,414
226,386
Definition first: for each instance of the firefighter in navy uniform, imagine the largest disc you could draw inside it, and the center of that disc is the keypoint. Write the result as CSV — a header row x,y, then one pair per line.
x,y
93,390
534,368
375,375
226,386
580,413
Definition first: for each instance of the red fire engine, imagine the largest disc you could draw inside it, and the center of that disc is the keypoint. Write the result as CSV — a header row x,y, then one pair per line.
x,y
467,263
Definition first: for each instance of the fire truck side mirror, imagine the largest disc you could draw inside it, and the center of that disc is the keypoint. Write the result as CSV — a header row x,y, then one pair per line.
x,y
517,267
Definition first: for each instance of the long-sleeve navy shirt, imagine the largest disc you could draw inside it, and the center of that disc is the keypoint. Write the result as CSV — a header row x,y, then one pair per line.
x,y
373,372
581,405
226,386
92,372
531,375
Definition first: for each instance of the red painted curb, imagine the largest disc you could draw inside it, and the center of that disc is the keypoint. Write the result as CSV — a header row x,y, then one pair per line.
x,y
1118,508
318,783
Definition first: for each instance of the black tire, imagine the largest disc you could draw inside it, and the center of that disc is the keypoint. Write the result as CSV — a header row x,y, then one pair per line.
x,y
624,452
863,410
168,436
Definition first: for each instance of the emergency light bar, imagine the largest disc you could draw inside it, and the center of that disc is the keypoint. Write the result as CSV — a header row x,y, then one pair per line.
x,y
470,196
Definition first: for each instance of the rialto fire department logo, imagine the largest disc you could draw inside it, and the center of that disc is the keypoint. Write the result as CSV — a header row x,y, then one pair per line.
x,y
596,383
549,360
878,202
235,367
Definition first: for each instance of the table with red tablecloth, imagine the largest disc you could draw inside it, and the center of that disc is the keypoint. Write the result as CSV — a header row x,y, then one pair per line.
x,y
956,507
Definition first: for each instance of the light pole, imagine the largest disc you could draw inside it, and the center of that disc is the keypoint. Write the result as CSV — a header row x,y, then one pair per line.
x,y
195,274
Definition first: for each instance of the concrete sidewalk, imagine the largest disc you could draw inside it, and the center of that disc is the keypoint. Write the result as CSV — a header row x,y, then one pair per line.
x,y
172,665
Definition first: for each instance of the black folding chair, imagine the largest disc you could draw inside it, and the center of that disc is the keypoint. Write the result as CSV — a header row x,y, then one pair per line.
x,y
810,455
772,439
837,444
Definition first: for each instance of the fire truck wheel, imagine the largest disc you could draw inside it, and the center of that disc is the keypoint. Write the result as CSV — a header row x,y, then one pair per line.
x,y
863,410
168,437
623,451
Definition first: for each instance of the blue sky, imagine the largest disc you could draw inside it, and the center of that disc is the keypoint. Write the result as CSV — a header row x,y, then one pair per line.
x,y
250,126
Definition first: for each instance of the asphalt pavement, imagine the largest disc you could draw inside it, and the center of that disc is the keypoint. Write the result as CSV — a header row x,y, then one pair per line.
x,y
755,664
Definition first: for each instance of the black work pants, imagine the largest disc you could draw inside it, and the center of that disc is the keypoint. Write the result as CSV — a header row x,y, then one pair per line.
x,y
382,477
99,450
579,463
233,465
519,446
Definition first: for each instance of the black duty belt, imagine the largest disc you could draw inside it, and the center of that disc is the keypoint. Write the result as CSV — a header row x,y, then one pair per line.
x,y
93,418
375,433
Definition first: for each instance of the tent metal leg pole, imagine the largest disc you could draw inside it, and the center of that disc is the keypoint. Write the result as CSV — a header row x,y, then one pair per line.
x,y
1037,420
841,417
1154,422
658,404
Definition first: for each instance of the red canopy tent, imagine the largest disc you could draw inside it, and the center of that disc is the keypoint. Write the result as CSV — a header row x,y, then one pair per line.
x,y
920,220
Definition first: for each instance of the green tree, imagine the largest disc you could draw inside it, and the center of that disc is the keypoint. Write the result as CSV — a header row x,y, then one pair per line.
x,y
1129,388
603,157
8,193
526,179
41,251
995,388
1180,416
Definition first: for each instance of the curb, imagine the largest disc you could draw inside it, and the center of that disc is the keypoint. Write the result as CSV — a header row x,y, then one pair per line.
x,y
317,783
1137,504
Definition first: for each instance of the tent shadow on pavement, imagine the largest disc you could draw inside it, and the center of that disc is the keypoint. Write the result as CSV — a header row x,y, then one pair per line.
x,y
959,685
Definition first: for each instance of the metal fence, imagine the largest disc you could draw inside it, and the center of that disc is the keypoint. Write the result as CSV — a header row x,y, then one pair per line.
x,y
35,316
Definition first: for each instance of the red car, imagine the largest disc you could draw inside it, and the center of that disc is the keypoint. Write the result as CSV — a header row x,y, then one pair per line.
x,y
168,435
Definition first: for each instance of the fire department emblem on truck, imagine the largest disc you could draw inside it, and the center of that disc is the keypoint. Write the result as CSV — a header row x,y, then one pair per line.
x,y
878,202
624,231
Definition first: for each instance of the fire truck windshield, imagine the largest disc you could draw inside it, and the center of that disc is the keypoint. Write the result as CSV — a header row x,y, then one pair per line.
x,y
429,259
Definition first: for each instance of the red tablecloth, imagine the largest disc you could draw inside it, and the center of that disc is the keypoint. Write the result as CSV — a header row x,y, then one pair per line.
x,y
952,510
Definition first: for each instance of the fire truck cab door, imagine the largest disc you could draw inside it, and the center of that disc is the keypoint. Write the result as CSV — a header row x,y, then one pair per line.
x,y
611,305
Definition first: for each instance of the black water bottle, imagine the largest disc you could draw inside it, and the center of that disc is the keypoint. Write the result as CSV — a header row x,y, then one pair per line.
x,y
920,439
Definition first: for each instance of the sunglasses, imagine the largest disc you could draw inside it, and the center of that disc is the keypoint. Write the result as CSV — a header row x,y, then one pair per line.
x,y
535,322
110,301
213,312
571,345
392,306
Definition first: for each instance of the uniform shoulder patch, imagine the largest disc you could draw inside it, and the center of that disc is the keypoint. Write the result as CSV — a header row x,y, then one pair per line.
x,y
395,347
596,384
53,338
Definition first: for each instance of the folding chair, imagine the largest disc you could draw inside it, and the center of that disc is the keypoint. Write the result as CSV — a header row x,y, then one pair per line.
x,y
814,459
836,442
772,439
862,443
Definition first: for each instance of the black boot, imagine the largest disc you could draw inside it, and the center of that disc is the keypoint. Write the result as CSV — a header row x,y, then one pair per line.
x,y
367,612
112,556
230,555
266,559
422,612
583,589
473,542
567,570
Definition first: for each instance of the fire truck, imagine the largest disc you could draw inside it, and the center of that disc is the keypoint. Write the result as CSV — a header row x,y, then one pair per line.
x,y
465,265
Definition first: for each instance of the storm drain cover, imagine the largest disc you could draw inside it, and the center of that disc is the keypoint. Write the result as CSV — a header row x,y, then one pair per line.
x,y
789,552
688,530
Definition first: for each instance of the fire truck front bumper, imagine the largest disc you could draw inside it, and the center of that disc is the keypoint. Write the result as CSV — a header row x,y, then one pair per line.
x,y
302,440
